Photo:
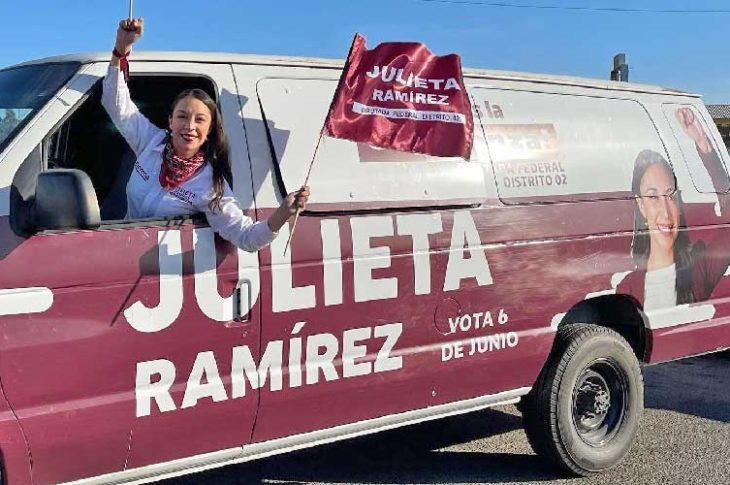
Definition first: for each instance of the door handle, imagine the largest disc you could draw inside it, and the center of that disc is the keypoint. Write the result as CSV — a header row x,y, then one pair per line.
x,y
241,301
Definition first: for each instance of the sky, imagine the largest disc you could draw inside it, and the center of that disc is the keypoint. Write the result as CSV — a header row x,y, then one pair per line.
x,y
689,50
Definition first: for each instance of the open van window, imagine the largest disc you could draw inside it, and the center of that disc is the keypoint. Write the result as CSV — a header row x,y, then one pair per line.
x,y
87,139
24,90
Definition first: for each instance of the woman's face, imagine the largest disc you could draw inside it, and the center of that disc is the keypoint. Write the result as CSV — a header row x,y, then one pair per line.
x,y
658,203
190,124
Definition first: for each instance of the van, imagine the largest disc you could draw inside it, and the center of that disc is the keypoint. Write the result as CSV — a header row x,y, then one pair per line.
x,y
585,236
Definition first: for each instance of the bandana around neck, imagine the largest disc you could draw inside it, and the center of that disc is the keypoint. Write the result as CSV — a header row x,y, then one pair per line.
x,y
176,169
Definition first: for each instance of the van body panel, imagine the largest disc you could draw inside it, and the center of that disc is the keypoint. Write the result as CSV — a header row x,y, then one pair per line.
x,y
13,446
414,287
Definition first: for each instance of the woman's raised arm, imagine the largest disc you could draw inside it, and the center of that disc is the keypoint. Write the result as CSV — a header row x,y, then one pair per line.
x,y
133,125
128,32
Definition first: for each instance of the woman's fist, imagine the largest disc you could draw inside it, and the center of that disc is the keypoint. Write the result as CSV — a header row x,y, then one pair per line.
x,y
128,32
692,127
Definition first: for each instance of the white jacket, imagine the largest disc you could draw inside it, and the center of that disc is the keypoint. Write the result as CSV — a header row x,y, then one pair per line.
x,y
145,195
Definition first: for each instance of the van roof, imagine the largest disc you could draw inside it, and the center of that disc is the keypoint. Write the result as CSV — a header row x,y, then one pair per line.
x,y
229,58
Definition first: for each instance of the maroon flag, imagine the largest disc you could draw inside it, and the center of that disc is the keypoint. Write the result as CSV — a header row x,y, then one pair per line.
x,y
402,97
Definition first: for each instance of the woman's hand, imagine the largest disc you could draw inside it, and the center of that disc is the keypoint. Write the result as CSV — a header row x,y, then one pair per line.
x,y
291,204
128,32
692,128
296,200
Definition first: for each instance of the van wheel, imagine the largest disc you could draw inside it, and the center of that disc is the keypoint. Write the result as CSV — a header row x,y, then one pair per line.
x,y
584,411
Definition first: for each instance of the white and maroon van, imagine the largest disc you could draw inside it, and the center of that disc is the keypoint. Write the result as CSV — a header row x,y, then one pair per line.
x,y
544,269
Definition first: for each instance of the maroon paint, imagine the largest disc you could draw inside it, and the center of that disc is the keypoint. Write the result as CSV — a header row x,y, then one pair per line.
x,y
69,373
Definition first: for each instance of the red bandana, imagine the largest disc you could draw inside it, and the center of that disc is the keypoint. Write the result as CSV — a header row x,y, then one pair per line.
x,y
176,169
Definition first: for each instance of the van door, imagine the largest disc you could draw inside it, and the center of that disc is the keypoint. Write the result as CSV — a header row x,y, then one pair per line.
x,y
117,342
358,304
214,405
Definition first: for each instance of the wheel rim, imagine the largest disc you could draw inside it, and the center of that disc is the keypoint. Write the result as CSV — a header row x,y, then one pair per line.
x,y
599,402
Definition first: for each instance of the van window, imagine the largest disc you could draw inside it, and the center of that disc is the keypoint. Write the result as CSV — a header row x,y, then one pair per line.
x,y
549,147
23,90
700,176
89,141
349,175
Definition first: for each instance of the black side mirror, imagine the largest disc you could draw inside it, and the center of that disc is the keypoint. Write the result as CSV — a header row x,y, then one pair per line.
x,y
65,199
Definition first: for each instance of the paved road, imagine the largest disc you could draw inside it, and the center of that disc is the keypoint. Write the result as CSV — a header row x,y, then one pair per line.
x,y
684,439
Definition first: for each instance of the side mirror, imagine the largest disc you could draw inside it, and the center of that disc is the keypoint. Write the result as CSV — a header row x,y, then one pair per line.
x,y
65,199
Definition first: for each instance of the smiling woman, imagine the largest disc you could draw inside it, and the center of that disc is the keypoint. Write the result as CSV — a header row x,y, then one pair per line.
x,y
185,170
670,269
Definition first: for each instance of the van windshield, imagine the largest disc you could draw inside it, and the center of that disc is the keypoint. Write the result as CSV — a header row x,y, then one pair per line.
x,y
24,90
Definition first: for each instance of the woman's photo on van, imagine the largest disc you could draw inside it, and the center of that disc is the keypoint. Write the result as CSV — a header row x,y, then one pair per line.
x,y
186,169
671,269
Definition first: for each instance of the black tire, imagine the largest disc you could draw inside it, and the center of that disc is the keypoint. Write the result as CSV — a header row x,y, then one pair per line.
x,y
584,411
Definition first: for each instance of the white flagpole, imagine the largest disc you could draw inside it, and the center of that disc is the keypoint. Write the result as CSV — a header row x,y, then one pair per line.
x,y
131,3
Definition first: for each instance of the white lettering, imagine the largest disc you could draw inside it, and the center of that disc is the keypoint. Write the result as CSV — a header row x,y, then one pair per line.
x,y
145,390
451,84
351,351
242,367
452,350
331,261
209,299
465,323
295,356
419,227
384,361
204,381
148,320
388,73
322,352
465,237
285,296
367,258
375,72
323,361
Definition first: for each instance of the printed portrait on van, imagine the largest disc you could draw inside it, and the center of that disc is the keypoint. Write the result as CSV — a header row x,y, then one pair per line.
x,y
671,268
550,148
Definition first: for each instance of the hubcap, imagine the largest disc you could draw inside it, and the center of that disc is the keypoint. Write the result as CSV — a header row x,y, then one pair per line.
x,y
599,401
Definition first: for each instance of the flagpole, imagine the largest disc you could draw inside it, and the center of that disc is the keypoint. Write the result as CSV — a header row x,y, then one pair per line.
x,y
321,132
306,179
131,3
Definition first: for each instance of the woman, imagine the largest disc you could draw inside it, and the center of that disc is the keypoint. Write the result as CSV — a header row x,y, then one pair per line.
x,y
670,269
186,170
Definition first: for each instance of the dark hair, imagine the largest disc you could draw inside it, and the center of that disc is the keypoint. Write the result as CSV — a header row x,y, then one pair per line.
x,y
640,244
216,147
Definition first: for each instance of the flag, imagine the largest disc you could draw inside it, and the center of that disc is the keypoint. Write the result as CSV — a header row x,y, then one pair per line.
x,y
401,97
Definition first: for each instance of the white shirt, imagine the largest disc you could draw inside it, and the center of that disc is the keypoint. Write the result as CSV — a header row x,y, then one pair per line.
x,y
660,288
145,195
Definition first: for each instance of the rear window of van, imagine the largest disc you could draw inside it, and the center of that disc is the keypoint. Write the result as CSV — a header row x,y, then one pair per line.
x,y
548,147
